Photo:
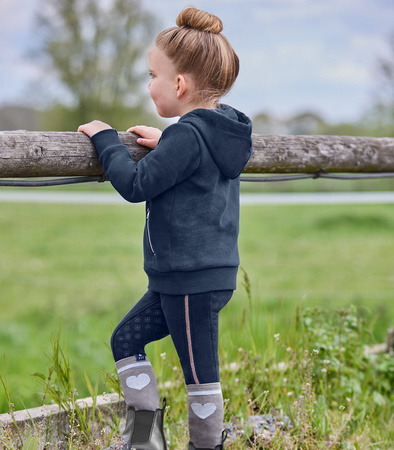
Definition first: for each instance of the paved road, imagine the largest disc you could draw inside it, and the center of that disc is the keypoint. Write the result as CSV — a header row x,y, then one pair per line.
x,y
108,198
317,198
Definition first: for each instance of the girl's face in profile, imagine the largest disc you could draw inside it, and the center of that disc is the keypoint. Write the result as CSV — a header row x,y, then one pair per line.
x,y
163,84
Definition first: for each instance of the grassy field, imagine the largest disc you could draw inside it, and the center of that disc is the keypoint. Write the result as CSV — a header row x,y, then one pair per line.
x,y
78,268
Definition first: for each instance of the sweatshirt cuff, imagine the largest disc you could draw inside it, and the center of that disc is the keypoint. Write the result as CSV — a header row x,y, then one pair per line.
x,y
104,139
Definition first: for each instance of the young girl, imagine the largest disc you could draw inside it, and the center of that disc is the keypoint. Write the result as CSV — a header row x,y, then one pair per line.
x,y
190,183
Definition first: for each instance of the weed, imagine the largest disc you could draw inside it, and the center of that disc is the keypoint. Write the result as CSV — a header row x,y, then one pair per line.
x,y
335,394
86,427
314,388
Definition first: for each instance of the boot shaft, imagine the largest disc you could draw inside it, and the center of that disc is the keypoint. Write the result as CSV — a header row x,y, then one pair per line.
x,y
144,430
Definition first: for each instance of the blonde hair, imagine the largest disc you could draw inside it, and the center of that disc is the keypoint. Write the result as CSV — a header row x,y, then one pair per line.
x,y
197,47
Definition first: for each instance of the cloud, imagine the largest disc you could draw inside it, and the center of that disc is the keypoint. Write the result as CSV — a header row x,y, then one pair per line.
x,y
14,18
347,72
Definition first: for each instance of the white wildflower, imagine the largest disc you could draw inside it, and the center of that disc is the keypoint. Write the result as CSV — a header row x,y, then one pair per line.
x,y
234,366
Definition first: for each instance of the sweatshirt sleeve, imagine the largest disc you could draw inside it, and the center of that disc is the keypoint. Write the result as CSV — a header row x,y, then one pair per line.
x,y
175,158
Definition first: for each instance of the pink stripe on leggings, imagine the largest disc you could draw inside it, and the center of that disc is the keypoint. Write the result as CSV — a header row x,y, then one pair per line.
x,y
189,340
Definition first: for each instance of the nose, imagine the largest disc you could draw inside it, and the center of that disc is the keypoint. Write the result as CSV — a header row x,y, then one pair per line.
x,y
149,84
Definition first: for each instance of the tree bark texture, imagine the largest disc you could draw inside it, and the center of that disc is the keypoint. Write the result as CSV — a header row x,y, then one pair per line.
x,y
25,154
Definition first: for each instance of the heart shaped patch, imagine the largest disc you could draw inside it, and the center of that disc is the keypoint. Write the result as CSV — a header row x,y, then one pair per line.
x,y
139,382
203,411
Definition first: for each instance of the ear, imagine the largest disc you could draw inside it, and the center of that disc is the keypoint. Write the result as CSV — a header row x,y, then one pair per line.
x,y
181,85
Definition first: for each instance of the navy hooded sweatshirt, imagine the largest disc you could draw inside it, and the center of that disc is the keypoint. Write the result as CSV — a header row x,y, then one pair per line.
x,y
190,183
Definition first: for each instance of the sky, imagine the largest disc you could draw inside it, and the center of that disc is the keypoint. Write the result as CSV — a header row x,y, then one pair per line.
x,y
296,55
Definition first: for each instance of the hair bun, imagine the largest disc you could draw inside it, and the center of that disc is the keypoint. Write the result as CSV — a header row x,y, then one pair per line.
x,y
199,20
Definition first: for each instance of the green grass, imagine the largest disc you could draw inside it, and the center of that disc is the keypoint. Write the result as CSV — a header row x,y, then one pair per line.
x,y
79,268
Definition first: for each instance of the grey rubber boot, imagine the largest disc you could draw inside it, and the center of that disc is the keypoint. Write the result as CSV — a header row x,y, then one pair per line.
x,y
218,447
143,431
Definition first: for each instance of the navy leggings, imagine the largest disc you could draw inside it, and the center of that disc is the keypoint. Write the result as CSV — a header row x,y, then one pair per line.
x,y
191,320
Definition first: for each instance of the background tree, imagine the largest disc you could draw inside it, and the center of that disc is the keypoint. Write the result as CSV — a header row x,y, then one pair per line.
x,y
382,113
308,123
305,123
265,123
96,51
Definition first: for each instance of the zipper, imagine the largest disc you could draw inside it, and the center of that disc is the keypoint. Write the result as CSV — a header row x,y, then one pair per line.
x,y
148,231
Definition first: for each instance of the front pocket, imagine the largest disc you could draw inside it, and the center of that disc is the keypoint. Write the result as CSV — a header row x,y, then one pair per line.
x,y
148,231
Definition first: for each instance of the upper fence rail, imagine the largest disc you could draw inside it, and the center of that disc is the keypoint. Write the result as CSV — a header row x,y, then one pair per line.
x,y
25,154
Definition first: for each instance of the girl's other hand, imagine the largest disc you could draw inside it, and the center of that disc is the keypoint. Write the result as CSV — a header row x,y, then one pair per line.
x,y
149,136
94,127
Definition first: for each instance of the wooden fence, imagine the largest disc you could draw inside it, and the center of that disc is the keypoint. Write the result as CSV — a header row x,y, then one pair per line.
x,y
26,154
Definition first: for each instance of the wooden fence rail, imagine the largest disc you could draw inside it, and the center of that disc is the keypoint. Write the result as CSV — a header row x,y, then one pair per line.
x,y
26,154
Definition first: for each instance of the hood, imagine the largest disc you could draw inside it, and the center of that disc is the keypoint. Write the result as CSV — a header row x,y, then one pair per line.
x,y
227,133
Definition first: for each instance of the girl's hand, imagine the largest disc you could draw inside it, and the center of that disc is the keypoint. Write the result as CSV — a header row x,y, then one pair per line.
x,y
94,127
149,136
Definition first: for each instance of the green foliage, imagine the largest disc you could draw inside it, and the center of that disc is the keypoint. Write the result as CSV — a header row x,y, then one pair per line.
x,y
112,380
61,388
31,444
339,337
343,401
59,385
319,377
328,256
